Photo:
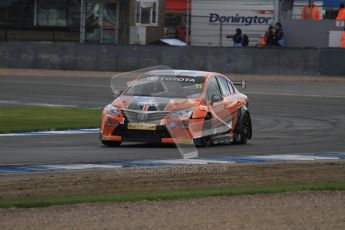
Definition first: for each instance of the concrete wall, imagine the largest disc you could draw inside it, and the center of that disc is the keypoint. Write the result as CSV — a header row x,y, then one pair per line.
x,y
72,56
308,33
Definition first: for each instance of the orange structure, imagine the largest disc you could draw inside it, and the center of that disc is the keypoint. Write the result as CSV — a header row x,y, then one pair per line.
x,y
176,6
343,40
341,15
311,13
263,41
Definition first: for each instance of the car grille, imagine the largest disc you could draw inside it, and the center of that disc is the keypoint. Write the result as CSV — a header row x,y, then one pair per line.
x,y
141,116
156,107
142,135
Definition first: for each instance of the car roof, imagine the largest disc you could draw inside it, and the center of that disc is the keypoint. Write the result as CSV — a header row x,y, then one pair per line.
x,y
177,72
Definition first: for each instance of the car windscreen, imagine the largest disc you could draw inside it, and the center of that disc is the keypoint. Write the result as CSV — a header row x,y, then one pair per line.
x,y
167,86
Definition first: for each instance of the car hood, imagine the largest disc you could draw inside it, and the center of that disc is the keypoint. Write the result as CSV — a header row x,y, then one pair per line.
x,y
154,103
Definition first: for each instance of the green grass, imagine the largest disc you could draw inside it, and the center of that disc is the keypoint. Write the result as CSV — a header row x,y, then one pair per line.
x,y
174,195
23,119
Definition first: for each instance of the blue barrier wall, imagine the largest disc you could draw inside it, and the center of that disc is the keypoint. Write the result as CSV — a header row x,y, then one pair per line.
x,y
72,56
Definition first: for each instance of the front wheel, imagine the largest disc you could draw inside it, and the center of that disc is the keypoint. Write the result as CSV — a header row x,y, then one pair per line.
x,y
244,133
206,139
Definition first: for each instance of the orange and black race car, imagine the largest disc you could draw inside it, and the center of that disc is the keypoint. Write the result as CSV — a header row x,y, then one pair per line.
x,y
178,106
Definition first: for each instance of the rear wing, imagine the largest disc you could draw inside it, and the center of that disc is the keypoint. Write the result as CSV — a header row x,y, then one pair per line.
x,y
242,83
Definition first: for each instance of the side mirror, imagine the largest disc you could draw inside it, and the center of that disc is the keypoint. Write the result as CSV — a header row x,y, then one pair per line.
x,y
244,84
117,93
216,98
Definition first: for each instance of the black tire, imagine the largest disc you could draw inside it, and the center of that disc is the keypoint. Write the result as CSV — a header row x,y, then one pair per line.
x,y
111,143
244,133
204,141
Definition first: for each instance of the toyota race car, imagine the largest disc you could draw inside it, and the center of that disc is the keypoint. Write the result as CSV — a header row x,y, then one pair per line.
x,y
178,106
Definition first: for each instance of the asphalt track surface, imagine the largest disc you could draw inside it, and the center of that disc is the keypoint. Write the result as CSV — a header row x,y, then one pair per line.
x,y
288,117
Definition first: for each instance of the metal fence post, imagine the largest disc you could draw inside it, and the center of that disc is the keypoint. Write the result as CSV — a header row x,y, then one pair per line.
x,y
187,22
6,22
35,13
220,34
82,21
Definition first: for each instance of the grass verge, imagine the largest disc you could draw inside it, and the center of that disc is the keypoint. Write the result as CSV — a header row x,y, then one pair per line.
x,y
25,119
174,195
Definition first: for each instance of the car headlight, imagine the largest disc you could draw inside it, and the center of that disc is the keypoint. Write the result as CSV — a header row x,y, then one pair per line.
x,y
111,110
186,113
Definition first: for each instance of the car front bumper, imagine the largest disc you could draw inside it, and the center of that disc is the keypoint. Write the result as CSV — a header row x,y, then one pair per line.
x,y
165,131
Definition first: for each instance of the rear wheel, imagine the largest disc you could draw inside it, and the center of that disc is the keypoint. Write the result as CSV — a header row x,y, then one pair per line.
x,y
205,140
111,143
244,133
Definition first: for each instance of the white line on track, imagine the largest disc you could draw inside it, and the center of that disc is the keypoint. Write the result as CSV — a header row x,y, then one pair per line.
x,y
79,166
36,104
295,95
193,161
45,133
294,157
60,84
222,160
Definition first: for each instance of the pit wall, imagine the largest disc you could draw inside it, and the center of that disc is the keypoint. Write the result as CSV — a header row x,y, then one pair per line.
x,y
73,56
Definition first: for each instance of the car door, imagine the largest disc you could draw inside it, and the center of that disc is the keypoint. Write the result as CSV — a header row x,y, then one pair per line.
x,y
234,100
217,108
229,99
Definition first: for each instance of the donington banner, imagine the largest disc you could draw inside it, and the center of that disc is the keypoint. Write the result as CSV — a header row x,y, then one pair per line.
x,y
212,21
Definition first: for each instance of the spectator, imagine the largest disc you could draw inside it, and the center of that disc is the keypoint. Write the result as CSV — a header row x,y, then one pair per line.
x,y
237,38
311,12
181,31
270,37
341,13
266,40
343,39
278,37
263,40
